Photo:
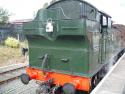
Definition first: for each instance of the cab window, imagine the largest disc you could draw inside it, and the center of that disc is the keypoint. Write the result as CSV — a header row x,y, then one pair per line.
x,y
104,21
109,22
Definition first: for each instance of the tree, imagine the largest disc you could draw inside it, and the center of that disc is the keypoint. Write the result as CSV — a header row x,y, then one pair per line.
x,y
4,16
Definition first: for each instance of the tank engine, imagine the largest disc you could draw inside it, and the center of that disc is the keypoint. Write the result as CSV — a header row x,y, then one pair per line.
x,y
70,44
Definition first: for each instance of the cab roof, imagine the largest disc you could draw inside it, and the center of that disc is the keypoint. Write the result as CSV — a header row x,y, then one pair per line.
x,y
58,1
104,13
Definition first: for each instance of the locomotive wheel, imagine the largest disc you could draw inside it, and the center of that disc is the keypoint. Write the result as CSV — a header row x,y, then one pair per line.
x,y
95,80
69,89
25,78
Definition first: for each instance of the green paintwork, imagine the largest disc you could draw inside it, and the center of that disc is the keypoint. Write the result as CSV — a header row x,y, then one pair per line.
x,y
69,42
57,50
61,27
75,46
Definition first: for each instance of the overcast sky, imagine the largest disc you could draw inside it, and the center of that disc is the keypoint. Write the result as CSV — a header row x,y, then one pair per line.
x,y
25,9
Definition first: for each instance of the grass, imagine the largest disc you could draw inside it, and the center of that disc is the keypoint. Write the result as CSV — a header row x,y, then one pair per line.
x,y
10,55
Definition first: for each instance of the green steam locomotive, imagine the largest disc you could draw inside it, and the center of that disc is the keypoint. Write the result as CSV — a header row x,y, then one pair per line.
x,y
71,44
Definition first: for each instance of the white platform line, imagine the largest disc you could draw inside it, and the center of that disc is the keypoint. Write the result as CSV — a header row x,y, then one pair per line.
x,y
106,76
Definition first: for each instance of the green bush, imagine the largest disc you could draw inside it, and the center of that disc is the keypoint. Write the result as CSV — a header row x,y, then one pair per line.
x,y
12,42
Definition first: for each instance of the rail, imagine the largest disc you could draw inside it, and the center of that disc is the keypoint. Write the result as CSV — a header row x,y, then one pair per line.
x,y
11,72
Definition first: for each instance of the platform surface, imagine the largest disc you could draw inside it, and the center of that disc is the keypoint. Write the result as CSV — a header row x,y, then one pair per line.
x,y
114,81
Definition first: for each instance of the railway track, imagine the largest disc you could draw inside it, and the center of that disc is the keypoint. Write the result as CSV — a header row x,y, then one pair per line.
x,y
11,72
16,87
10,82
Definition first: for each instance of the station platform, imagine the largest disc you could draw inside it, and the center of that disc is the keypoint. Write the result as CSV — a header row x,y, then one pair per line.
x,y
114,81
